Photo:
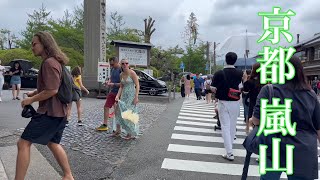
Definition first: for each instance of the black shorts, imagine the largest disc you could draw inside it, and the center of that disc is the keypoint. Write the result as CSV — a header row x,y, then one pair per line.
x,y
208,91
43,129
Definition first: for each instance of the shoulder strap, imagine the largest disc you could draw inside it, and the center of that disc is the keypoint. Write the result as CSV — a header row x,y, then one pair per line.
x,y
270,87
225,78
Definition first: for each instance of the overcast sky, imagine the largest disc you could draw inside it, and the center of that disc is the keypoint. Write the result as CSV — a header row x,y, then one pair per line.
x,y
217,19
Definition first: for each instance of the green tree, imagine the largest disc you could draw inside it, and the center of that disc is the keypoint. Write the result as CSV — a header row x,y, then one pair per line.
x,y
38,21
166,60
194,58
191,32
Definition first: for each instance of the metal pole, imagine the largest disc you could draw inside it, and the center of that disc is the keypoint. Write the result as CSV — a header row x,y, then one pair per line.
x,y
214,57
208,58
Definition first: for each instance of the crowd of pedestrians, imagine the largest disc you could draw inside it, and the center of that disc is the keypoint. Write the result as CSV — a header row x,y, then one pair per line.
x,y
305,111
227,88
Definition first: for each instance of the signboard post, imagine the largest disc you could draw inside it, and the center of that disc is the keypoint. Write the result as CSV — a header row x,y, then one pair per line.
x,y
136,57
103,71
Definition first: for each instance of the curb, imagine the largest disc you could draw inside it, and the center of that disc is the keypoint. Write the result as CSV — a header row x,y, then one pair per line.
x,y
3,175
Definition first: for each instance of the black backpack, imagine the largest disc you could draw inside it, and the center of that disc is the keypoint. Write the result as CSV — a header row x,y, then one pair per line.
x,y
68,91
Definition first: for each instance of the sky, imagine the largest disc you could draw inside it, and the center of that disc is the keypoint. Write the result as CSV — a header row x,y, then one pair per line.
x,y
217,19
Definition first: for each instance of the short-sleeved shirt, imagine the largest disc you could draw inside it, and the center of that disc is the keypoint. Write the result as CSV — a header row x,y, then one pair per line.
x,y
225,79
198,83
49,78
17,73
115,78
306,113
76,81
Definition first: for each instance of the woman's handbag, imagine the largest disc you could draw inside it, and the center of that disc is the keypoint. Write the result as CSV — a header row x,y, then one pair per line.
x,y
252,141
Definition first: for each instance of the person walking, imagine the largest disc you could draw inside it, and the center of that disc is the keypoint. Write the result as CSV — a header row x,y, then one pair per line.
x,y
246,98
47,126
198,86
114,84
314,85
228,106
182,85
306,114
76,74
16,73
2,71
187,85
192,84
207,85
127,98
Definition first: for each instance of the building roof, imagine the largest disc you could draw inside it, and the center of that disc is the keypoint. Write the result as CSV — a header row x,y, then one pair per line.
x,y
312,42
309,40
130,42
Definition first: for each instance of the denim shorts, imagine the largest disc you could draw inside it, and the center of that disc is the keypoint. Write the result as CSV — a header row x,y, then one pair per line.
x,y
43,129
15,80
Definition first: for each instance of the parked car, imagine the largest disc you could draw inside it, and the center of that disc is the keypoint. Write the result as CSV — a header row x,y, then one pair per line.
x,y
150,85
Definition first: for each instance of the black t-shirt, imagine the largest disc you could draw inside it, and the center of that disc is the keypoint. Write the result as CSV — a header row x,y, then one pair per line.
x,y
306,113
253,87
17,73
232,79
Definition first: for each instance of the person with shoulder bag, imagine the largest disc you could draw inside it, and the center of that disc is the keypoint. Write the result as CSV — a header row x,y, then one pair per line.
x,y
226,86
47,124
305,114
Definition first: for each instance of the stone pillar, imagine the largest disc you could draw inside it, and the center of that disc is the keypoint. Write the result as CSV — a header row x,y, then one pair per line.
x,y
94,40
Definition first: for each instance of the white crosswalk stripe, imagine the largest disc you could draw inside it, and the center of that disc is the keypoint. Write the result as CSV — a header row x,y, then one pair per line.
x,y
194,134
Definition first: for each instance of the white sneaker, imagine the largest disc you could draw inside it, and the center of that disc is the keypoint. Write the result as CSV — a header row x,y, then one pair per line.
x,y
228,157
0,99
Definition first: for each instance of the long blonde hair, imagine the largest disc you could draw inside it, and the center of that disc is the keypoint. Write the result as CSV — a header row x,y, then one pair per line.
x,y
51,47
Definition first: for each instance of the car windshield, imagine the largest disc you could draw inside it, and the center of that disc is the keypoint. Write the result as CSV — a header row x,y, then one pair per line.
x,y
149,76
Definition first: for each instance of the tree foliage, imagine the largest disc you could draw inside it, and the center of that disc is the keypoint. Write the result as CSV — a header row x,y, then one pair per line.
x,y
194,59
191,32
38,21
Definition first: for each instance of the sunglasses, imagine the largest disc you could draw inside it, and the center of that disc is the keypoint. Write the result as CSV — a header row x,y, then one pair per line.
x,y
124,63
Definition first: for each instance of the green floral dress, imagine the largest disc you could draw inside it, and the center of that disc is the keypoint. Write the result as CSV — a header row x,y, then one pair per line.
x,y
125,104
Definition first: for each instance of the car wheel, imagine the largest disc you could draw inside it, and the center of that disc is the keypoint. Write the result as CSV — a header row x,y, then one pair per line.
x,y
152,92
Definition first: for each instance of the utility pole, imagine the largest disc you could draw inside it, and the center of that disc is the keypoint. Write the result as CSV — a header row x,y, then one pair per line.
x,y
208,56
214,57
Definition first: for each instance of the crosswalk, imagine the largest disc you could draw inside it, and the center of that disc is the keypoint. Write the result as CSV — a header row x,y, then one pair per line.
x,y
196,147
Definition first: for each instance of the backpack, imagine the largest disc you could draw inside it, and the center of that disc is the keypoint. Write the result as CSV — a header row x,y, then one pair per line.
x,y
318,85
68,91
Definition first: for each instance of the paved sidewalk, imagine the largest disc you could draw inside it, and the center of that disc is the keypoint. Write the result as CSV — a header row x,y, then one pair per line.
x,y
39,167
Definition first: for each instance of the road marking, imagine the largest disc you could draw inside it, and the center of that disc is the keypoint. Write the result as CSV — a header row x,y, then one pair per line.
x,y
204,130
198,112
210,167
239,122
200,138
196,115
206,150
203,124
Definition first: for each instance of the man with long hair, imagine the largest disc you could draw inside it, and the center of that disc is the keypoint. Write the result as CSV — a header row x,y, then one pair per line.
x,y
46,127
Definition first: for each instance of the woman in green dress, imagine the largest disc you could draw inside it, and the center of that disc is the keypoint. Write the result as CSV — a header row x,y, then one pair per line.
x,y
127,99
